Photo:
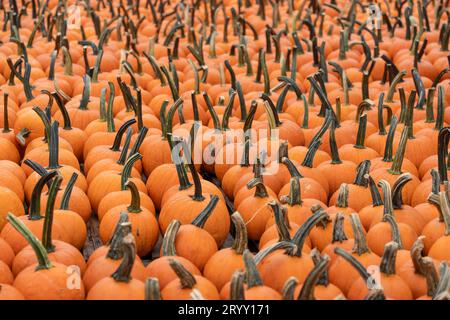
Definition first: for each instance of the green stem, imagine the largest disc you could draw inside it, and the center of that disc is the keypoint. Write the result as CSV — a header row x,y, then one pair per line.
x,y
253,278
388,209
376,197
135,204
168,245
67,125
152,289
48,222
360,246
361,135
126,171
201,219
86,93
387,265
118,138
39,250
187,280
396,167
240,237
308,161
68,192
53,147
109,113
307,291
440,109
394,230
388,149
237,286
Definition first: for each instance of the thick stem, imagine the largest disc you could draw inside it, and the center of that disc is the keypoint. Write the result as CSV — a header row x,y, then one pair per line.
x,y
392,88
123,272
126,171
289,288
361,135
35,202
302,233
376,197
253,278
397,188
387,265
308,161
307,291
53,147
237,286
292,168
294,197
135,204
338,229
355,263
281,221
360,247
123,227
201,219
362,174
240,237
6,128
394,230
396,167
48,222
68,192
440,109
260,190
342,199
67,125
168,245
333,146
118,138
39,250
443,138
187,280
152,289
389,146
387,198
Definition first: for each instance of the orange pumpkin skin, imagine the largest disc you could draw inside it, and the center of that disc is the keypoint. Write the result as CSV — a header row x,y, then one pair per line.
x,y
381,233
255,293
6,276
174,291
47,284
8,292
103,267
439,250
221,266
10,203
160,269
322,292
123,197
110,289
64,254
6,253
144,228
394,288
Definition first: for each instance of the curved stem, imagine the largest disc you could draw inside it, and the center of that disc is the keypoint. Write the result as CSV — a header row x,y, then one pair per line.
x,y
53,147
387,195
260,191
39,250
395,230
389,146
48,222
335,159
168,245
281,222
240,237
302,233
308,161
86,93
376,197
361,135
387,265
123,272
360,247
139,140
35,202
253,278
187,280
118,138
392,88
67,125
396,167
289,288
292,168
152,289
237,286
68,192
307,292
355,263
362,174
342,199
126,171
201,219
338,229
397,188
123,227
135,204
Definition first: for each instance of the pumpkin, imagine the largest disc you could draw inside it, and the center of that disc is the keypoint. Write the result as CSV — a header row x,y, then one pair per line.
x,y
57,250
120,285
180,288
46,279
221,266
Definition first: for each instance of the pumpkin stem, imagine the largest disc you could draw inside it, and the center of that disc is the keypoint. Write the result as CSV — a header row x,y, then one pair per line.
x,y
35,202
201,219
6,128
338,229
168,244
403,105
362,174
39,250
392,88
354,263
435,182
240,237
360,247
22,135
443,138
67,58
46,121
387,265
27,88
342,199
445,211
302,233
429,106
305,113
308,161
396,167
53,147
281,221
187,280
381,126
292,168
123,272
394,230
109,116
135,205
260,191
387,195
416,254
126,145
228,111
49,210
253,278
118,138
389,146
86,93
237,291
333,146
440,109
68,192
214,117
126,171
139,140
441,292
321,264
375,193
170,114
289,288
361,135
397,188
285,245
410,115
152,289
294,197
67,125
